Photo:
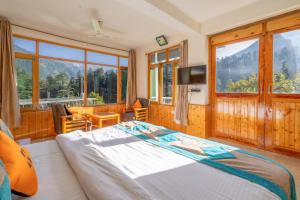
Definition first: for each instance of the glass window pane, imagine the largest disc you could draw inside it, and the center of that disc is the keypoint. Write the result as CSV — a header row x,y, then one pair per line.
x,y
61,82
154,84
57,51
24,46
102,58
167,83
24,80
174,54
124,84
161,57
123,62
102,85
153,58
286,62
237,67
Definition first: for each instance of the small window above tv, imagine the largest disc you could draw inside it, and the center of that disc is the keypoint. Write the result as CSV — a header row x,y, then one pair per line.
x,y
191,75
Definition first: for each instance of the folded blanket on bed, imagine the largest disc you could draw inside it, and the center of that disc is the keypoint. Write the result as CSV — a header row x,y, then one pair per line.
x,y
250,166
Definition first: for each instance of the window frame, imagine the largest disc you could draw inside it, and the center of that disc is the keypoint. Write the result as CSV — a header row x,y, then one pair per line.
x,y
35,69
159,65
270,42
259,73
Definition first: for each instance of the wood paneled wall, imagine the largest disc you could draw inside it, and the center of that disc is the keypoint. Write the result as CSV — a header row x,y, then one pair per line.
x,y
285,124
163,115
38,124
237,119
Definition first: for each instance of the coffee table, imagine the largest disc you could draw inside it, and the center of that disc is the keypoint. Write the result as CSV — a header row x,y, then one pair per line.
x,y
99,118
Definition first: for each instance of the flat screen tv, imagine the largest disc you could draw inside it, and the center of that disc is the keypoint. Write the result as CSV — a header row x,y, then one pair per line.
x,y
191,75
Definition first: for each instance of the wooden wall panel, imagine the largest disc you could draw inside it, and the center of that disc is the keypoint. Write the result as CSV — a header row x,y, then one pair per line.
x,y
35,125
286,124
286,21
237,118
38,124
163,115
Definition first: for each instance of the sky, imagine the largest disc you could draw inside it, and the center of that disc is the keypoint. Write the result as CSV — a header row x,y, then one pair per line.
x,y
57,51
231,49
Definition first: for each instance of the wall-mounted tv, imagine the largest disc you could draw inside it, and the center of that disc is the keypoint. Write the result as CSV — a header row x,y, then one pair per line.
x,y
191,75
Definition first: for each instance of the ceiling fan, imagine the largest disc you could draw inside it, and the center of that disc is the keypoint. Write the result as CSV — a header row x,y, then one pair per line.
x,y
103,32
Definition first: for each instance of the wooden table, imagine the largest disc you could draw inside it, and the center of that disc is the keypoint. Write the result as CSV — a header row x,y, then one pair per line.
x,y
98,118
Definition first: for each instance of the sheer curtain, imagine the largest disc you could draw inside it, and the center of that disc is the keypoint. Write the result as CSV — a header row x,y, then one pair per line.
x,y
131,80
9,101
182,104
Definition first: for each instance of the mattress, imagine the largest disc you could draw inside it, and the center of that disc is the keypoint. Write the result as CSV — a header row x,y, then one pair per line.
x,y
108,160
56,179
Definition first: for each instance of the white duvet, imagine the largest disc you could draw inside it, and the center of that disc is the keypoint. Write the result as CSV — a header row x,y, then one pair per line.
x,y
111,164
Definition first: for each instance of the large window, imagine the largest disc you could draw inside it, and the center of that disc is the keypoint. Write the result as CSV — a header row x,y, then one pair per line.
x,y
237,67
61,81
24,80
286,62
162,67
48,72
102,85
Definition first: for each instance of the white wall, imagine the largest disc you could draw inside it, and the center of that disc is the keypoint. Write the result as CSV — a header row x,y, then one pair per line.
x,y
197,55
44,36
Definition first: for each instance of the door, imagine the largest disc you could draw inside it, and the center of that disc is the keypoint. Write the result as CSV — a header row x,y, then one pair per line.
x,y
237,90
283,89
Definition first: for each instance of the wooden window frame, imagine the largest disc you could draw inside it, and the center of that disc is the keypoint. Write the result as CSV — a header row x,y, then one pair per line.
x,y
259,78
35,68
269,52
159,65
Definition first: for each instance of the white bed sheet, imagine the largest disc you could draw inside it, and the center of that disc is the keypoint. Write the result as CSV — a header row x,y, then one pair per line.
x,y
99,158
56,180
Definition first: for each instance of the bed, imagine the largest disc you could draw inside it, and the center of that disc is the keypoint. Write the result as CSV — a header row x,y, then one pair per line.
x,y
112,163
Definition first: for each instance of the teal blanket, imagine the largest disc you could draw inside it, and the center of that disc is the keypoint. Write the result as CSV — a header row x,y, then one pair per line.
x,y
212,154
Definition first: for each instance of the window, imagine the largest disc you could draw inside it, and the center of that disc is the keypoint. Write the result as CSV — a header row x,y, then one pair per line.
x,y
161,57
57,51
124,73
102,85
24,46
174,54
123,62
162,65
24,80
237,67
61,76
100,58
167,78
153,58
154,84
286,62
61,81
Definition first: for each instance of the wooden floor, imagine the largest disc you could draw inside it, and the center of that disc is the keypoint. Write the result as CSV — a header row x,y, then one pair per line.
x,y
291,163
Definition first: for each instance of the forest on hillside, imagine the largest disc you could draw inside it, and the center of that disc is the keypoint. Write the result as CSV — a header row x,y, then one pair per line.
x,y
239,72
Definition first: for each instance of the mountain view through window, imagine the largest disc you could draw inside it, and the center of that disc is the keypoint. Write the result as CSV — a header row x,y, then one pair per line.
x,y
286,62
237,67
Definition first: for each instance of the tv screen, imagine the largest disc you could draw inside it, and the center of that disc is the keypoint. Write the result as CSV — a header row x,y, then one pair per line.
x,y
191,75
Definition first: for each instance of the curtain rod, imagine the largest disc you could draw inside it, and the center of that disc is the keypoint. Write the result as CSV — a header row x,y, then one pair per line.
x,y
69,38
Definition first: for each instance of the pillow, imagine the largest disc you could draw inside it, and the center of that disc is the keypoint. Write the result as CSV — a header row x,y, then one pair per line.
x,y
137,104
5,129
5,193
18,164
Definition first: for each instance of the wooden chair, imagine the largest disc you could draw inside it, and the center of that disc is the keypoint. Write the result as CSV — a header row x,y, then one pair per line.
x,y
140,114
66,121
